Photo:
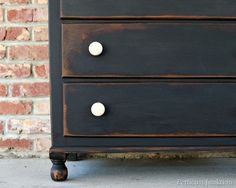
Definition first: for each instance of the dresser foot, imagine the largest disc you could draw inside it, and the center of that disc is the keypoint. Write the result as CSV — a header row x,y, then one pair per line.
x,y
59,170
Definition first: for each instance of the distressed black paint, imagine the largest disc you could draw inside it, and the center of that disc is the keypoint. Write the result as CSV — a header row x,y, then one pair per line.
x,y
131,9
151,109
163,49
179,110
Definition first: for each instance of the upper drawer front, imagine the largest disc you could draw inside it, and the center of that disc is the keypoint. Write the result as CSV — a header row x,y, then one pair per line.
x,y
117,9
199,49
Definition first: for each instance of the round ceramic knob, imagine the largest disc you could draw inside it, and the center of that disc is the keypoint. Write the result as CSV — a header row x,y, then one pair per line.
x,y
98,109
95,48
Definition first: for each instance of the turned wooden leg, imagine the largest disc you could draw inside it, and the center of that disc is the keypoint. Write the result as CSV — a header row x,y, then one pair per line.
x,y
59,171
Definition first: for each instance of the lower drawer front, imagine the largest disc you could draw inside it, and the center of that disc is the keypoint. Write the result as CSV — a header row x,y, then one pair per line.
x,y
151,109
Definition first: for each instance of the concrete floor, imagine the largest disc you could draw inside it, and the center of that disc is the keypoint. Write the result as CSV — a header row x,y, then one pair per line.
x,y
104,173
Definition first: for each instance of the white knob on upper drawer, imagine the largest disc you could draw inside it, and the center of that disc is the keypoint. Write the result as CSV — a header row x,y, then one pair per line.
x,y
98,109
95,48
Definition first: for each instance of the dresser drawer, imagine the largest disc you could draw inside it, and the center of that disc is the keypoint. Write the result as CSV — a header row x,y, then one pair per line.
x,y
150,50
134,9
150,109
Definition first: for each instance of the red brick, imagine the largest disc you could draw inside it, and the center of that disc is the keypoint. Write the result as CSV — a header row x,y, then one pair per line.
x,y
17,33
15,107
14,1
41,71
15,70
2,51
3,90
1,14
29,126
28,52
2,33
40,15
30,89
2,124
41,34
20,15
17,144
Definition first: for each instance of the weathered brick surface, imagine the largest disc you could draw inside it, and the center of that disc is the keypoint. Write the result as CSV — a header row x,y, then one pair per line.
x,y
40,34
28,52
41,71
3,90
15,107
40,15
2,51
42,107
2,125
17,33
1,14
29,126
15,70
43,144
41,1
30,89
18,144
24,73
7,2
3,32
21,15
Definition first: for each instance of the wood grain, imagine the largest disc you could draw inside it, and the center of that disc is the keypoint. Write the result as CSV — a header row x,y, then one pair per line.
x,y
156,50
139,149
151,9
175,59
151,110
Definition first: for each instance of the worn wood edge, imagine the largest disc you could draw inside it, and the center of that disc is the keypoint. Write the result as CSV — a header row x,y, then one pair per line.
x,y
157,17
67,133
143,82
66,75
146,80
172,135
138,149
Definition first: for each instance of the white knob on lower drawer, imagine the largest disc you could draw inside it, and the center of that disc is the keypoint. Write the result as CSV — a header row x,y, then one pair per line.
x,y
95,48
98,109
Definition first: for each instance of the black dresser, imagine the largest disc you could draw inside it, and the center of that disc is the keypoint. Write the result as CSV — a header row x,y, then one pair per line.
x,y
141,76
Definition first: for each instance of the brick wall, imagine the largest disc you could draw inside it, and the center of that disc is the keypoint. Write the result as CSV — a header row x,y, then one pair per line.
x,y
24,86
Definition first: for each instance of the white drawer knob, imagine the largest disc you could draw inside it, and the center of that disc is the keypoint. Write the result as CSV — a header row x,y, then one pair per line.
x,y
95,48
98,109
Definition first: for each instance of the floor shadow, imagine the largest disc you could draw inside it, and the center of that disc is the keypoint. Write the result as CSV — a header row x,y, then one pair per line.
x,y
97,168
